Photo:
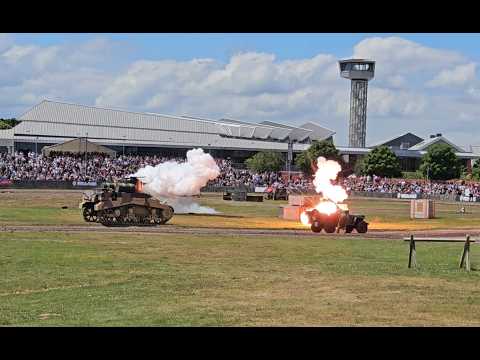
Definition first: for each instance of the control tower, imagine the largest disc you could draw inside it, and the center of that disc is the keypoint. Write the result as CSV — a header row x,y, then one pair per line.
x,y
360,71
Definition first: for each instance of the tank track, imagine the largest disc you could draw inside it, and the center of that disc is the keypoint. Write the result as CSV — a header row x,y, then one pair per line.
x,y
122,217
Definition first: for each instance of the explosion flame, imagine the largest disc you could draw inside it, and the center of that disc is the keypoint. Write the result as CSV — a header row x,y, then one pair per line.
x,y
325,207
304,218
327,170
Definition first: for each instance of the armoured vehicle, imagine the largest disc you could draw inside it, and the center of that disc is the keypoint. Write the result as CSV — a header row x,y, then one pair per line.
x,y
124,204
276,193
341,219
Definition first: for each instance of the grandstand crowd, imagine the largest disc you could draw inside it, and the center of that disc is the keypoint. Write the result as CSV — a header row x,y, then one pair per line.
x,y
99,167
406,186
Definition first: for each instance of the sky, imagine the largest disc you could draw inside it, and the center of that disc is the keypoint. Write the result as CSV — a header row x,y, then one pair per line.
x,y
424,83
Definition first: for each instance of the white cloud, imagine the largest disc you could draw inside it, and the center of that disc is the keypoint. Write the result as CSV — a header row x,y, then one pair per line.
x,y
5,41
396,81
403,56
251,86
257,86
459,75
17,53
31,73
385,103
398,59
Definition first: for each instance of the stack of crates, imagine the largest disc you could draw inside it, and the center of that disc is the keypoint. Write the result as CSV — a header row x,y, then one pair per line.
x,y
298,204
422,209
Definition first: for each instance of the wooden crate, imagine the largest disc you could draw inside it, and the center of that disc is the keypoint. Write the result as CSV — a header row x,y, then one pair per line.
x,y
422,209
304,200
291,212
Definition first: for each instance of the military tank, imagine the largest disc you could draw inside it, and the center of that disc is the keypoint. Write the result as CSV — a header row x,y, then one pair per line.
x,y
124,204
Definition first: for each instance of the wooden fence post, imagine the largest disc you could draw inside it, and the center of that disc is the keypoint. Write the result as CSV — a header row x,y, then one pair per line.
x,y
465,260
412,257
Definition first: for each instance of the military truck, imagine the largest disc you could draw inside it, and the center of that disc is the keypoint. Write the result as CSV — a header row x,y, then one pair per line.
x,y
124,204
341,219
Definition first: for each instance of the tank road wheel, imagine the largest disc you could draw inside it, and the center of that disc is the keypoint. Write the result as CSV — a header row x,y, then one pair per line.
x,y
105,221
316,227
106,217
118,218
167,214
362,227
130,217
157,216
89,214
147,220
101,217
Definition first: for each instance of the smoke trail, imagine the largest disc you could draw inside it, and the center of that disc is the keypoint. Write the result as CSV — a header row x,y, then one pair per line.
x,y
171,179
327,171
186,205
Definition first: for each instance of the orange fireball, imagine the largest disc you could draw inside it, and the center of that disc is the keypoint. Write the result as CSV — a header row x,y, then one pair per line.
x,y
326,207
304,218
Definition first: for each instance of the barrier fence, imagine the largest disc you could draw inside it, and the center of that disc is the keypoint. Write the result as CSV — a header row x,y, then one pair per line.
x,y
47,184
72,185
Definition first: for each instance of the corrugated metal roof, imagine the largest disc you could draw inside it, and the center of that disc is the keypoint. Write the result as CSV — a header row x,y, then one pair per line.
x,y
65,113
55,132
277,133
401,152
475,149
87,115
430,141
318,132
394,138
352,150
296,133
271,123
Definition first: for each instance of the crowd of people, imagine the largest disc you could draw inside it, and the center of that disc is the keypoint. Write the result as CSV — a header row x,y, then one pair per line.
x,y
406,186
69,167
231,176
99,167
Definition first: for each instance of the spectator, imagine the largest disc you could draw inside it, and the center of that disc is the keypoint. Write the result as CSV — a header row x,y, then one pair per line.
x,y
99,167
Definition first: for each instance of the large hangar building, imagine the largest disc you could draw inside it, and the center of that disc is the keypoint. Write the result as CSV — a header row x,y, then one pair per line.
x,y
51,122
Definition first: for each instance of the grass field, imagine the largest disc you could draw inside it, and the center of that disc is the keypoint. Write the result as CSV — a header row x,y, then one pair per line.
x,y
133,279
93,279
45,208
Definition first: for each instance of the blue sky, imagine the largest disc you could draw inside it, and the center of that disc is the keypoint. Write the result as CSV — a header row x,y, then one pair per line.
x,y
222,46
424,82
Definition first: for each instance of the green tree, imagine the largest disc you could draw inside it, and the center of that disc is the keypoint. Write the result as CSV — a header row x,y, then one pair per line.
x,y
306,160
476,171
440,163
381,161
265,161
8,123
358,167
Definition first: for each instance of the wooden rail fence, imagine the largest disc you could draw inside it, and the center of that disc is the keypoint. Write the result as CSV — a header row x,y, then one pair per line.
x,y
464,259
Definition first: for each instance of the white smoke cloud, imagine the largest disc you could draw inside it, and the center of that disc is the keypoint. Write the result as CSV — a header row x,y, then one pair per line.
x,y
186,205
171,180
